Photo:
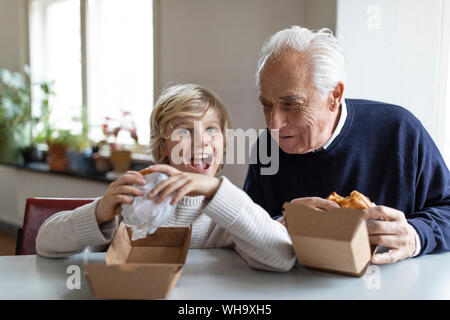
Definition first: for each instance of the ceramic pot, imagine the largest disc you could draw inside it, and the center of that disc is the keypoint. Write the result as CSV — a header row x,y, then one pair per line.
x,y
102,164
57,157
121,160
81,162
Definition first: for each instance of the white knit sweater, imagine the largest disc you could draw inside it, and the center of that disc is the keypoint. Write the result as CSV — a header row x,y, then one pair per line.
x,y
229,219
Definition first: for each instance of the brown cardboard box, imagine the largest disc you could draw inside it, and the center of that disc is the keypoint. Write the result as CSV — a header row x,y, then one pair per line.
x,y
143,269
335,240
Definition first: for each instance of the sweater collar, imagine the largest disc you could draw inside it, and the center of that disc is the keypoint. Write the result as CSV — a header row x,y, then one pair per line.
x,y
339,127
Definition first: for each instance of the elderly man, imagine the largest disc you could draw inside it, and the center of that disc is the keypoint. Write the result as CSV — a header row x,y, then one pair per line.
x,y
328,143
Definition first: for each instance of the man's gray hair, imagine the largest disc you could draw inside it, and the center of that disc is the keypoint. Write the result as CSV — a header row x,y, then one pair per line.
x,y
325,55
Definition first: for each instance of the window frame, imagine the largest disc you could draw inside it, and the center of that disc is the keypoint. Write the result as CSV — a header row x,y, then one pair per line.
x,y
85,61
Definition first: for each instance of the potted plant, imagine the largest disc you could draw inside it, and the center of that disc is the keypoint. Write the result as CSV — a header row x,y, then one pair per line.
x,y
80,156
101,157
120,157
58,143
15,114
16,121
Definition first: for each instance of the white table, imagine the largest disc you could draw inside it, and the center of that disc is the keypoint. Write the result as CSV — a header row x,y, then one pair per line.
x,y
222,274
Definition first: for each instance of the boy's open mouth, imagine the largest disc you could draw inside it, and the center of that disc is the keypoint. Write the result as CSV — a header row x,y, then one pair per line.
x,y
201,163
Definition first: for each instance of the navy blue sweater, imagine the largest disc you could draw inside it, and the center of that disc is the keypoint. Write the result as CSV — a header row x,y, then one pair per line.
x,y
382,151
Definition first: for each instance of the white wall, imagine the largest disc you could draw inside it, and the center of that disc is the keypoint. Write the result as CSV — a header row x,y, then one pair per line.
x,y
16,185
320,14
13,34
216,43
392,50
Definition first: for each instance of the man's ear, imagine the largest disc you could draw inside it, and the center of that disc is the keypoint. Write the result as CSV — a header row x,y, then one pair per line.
x,y
336,96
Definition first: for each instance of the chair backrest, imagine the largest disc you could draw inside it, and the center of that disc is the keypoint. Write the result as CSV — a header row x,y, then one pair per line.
x,y
37,210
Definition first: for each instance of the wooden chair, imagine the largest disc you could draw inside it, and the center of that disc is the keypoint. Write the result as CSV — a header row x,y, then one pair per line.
x,y
37,210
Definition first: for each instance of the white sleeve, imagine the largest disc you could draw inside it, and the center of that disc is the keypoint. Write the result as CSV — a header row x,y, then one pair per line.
x,y
263,242
418,245
70,232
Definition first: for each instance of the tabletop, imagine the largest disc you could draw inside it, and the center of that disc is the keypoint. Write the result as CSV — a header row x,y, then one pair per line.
x,y
211,274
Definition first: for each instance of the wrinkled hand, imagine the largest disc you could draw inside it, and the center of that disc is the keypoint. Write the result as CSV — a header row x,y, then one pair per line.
x,y
393,231
282,220
183,183
316,203
118,192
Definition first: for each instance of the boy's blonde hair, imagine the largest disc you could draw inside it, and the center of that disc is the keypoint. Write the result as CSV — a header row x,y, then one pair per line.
x,y
183,100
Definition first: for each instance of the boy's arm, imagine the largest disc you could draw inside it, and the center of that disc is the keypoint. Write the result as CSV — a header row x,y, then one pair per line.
x,y
70,232
263,242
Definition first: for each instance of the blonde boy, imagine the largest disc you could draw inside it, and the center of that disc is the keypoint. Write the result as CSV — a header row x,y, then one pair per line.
x,y
187,142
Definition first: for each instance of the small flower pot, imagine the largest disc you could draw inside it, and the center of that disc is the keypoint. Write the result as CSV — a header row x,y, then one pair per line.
x,y
81,162
30,154
57,157
121,160
102,164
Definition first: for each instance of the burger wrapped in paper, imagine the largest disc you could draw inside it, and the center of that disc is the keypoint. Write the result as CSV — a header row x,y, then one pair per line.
x,y
144,215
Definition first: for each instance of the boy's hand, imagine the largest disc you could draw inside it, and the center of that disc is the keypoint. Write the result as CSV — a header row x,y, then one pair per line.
x,y
183,183
118,192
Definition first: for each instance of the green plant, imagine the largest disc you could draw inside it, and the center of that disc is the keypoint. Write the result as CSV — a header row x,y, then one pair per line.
x,y
77,142
15,105
15,114
81,141
61,136
19,130
46,131
15,99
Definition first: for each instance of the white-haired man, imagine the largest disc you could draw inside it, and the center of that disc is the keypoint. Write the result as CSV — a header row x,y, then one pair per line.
x,y
328,143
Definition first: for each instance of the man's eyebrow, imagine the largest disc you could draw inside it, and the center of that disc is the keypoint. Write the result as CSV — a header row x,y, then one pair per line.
x,y
261,98
292,97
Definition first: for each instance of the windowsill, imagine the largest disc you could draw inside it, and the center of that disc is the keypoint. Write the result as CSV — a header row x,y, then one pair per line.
x,y
42,167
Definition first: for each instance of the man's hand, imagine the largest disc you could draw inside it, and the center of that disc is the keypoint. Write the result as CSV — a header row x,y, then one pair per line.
x,y
393,231
317,203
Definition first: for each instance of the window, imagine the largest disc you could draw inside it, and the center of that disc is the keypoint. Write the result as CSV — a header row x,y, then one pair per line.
x,y
100,55
444,92
55,54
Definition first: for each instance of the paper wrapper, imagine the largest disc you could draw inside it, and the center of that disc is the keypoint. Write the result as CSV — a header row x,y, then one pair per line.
x,y
144,216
